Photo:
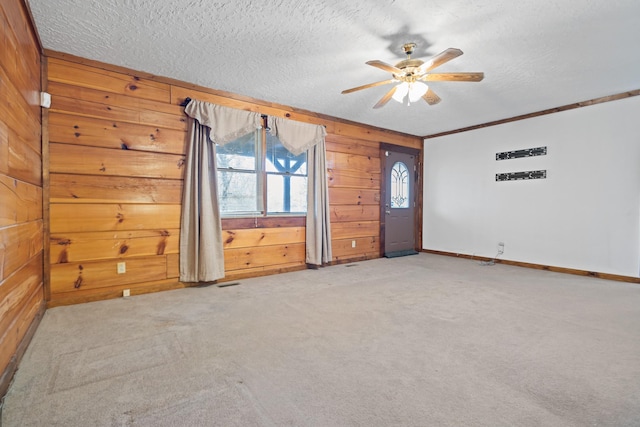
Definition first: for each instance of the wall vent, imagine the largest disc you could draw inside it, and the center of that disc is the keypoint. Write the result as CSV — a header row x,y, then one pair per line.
x,y
517,176
527,152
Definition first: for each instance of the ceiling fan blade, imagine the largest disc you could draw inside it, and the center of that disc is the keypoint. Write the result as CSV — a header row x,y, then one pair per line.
x,y
441,58
453,77
353,89
387,96
386,67
431,97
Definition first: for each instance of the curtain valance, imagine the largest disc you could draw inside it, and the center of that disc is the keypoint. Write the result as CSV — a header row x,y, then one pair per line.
x,y
226,124
297,137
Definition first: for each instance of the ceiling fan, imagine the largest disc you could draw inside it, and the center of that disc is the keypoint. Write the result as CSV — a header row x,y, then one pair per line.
x,y
411,73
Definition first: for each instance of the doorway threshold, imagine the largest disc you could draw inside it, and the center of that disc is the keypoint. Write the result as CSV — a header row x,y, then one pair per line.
x,y
401,253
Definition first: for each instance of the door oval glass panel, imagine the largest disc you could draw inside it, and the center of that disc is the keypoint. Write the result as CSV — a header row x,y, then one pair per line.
x,y
399,185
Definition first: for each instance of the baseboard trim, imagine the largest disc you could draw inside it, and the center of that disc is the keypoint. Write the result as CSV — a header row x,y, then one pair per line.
x,y
598,275
12,367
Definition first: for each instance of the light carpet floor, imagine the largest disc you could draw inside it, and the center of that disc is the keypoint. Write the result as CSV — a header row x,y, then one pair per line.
x,y
423,340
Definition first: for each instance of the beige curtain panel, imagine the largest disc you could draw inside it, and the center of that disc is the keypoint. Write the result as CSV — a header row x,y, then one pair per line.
x,y
318,229
201,251
298,137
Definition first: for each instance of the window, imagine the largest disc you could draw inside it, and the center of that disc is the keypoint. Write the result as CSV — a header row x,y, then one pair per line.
x,y
399,185
257,174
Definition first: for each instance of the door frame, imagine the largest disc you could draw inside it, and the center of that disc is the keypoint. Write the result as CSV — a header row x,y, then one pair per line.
x,y
417,221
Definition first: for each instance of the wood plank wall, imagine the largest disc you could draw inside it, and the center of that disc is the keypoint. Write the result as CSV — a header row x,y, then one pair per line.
x,y
117,141
21,224
116,157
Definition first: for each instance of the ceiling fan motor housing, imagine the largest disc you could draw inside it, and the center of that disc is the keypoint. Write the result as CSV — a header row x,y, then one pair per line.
x,y
409,67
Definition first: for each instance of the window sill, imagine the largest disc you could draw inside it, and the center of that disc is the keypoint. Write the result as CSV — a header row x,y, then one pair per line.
x,y
284,220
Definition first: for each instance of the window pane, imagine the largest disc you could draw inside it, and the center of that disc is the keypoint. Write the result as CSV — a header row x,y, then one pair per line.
x,y
239,154
286,194
237,192
237,175
279,159
399,186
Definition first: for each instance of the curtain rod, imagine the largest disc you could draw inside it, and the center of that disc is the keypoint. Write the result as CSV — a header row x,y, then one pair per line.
x,y
187,100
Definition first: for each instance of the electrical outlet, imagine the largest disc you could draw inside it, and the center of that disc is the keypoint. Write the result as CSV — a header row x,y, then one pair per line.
x,y
126,292
122,267
500,247
353,243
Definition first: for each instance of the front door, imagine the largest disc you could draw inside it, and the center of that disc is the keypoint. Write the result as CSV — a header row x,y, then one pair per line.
x,y
399,202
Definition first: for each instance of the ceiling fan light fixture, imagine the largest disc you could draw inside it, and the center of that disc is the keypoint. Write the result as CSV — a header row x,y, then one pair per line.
x,y
416,90
401,92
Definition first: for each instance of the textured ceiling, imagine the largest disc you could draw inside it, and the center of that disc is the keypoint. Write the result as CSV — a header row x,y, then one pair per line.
x,y
536,54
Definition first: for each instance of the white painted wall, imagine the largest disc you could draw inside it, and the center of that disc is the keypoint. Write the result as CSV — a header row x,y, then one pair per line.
x,y
585,215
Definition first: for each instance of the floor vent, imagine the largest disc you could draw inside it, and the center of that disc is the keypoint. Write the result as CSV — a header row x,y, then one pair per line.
x,y
226,285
